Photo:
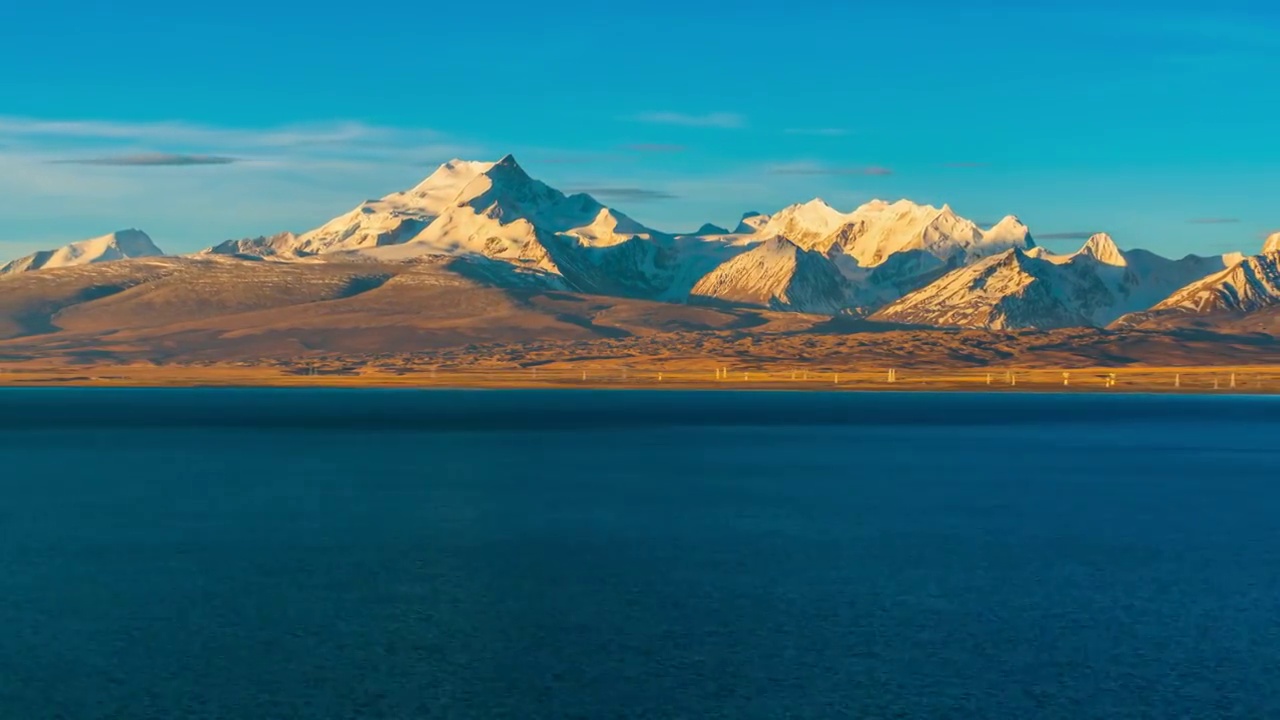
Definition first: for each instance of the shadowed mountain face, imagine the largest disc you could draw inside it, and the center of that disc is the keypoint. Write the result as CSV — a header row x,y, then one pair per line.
x,y
463,254
1243,297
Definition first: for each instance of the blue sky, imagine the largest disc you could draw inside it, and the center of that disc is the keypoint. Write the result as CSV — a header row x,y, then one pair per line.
x,y
1153,121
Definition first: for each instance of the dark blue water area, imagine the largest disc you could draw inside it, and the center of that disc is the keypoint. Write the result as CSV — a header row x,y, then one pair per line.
x,y
551,554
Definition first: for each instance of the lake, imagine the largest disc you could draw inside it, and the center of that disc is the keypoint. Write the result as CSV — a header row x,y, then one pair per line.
x,y
225,553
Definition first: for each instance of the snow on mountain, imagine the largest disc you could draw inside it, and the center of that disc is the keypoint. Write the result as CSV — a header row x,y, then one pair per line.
x,y
751,222
899,274
1272,243
608,227
877,230
881,230
805,224
395,218
634,267
1037,289
464,207
1138,279
1102,248
462,231
1149,278
494,210
1010,232
1249,285
504,192
1005,291
276,246
711,229
777,274
501,212
911,262
120,245
886,250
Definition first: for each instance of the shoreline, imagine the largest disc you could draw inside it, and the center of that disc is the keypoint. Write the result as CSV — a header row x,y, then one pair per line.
x,y
852,390
1240,380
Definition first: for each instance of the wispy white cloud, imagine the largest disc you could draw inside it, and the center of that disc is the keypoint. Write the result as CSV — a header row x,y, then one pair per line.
x,y
189,133
530,162
807,168
624,194
168,143
724,120
1066,235
654,148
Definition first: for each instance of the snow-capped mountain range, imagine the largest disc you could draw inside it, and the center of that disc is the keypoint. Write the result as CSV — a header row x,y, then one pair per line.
x,y
1250,285
1094,286
894,261
855,261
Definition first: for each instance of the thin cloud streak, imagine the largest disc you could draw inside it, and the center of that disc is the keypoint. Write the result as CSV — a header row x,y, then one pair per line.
x,y
574,158
1073,235
722,120
151,160
629,194
179,132
101,142
964,165
655,148
1213,221
85,178
811,169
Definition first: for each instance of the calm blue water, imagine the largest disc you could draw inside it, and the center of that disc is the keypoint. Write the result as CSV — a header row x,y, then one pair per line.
x,y
407,554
